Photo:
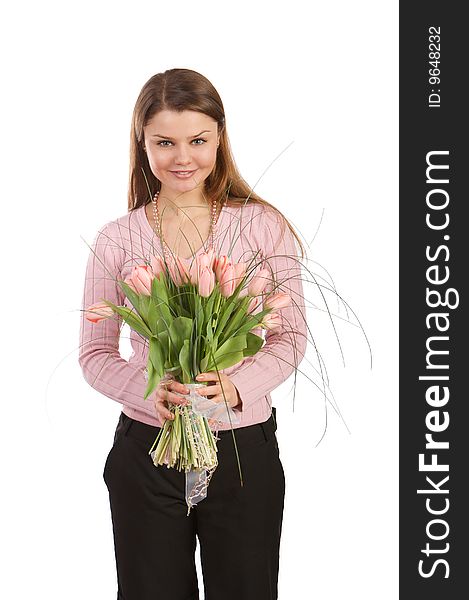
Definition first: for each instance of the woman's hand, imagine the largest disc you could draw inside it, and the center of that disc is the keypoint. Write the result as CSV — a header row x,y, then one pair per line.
x,y
167,388
165,392
215,393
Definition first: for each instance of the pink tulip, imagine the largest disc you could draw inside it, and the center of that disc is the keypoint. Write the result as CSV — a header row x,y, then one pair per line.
x,y
259,282
98,312
271,320
205,259
277,301
227,281
194,272
157,266
243,293
211,257
206,282
253,304
220,265
129,282
182,271
240,271
178,271
141,278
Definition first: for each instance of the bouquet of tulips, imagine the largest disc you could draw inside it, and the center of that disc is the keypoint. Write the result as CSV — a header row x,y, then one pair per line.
x,y
196,320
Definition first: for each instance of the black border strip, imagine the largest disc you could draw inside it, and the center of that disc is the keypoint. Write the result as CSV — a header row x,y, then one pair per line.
x,y
434,268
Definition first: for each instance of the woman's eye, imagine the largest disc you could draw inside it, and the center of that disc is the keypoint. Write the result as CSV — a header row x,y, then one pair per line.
x,y
167,141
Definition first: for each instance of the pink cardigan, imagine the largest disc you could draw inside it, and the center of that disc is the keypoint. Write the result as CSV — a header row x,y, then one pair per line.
x,y
128,241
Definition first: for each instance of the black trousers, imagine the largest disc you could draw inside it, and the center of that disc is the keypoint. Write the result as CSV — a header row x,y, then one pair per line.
x,y
238,528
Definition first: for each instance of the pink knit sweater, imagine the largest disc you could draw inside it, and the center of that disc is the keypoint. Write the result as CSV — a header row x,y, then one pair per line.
x,y
241,232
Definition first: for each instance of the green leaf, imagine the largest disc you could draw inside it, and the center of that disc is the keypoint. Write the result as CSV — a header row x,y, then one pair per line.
x,y
185,361
208,310
226,311
132,319
157,355
199,316
152,380
159,292
163,336
254,344
131,295
252,321
228,360
174,371
179,331
139,301
209,332
237,342
144,307
237,317
196,352
153,316
229,353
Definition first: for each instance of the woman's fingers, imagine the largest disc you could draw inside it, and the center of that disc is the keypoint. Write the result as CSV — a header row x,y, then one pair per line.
x,y
164,395
210,390
171,397
175,386
167,392
164,413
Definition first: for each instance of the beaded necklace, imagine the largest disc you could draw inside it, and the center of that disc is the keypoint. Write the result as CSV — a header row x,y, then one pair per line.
x,y
156,218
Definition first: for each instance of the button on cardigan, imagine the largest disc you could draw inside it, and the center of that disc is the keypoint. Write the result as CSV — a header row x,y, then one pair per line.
x,y
241,233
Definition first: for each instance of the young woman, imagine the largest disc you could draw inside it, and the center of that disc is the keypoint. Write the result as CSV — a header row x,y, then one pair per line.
x,y
185,196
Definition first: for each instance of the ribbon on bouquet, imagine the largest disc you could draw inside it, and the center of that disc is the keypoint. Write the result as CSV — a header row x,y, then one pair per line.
x,y
202,440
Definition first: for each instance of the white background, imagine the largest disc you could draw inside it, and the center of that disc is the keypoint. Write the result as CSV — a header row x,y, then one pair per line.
x,y
320,90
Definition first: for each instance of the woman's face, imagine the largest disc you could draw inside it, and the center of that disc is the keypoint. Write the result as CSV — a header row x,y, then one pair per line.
x,y
178,142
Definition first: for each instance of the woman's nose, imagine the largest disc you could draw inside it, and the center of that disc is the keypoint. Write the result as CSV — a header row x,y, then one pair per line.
x,y
183,155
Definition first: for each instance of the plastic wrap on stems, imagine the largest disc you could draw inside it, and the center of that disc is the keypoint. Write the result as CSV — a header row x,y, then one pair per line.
x,y
189,443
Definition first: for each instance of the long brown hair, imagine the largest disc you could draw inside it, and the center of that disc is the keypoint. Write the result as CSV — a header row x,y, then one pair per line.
x,y
178,90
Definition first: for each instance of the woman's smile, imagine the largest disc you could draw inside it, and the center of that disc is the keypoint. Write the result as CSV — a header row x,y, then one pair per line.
x,y
183,174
